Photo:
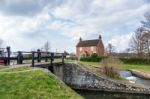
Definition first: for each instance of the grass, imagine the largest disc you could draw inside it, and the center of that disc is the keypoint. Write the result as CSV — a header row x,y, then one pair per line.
x,y
93,65
15,69
2,67
33,85
137,67
97,68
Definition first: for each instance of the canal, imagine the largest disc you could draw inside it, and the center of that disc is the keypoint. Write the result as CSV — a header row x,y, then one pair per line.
x,y
72,75
134,79
109,95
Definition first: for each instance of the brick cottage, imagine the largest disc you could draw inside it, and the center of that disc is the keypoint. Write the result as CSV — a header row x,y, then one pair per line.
x,y
88,47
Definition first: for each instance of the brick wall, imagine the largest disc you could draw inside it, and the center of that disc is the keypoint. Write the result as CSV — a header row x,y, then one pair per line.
x,y
99,50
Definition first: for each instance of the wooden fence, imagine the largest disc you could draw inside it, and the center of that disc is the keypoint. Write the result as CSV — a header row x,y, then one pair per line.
x,y
33,55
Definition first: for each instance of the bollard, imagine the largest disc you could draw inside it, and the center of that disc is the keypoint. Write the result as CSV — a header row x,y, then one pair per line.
x,y
19,58
32,59
52,58
63,58
39,55
8,55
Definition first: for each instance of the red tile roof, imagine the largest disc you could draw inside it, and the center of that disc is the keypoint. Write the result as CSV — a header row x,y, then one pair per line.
x,y
88,43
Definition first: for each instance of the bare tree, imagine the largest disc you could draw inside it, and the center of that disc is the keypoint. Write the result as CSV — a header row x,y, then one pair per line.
x,y
47,46
146,24
136,43
111,66
110,48
146,43
140,42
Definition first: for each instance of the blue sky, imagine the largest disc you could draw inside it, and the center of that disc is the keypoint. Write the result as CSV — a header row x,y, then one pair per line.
x,y
27,24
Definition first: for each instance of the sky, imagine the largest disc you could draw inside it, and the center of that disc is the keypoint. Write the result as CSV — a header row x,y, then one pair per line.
x,y
27,24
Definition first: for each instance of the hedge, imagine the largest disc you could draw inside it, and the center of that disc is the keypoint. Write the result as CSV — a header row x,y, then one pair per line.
x,y
139,61
71,58
89,59
93,58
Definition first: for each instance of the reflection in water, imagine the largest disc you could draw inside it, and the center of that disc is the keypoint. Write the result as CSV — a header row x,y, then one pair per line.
x,y
109,95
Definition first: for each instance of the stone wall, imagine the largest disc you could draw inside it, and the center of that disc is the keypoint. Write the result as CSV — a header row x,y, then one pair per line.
x,y
58,71
78,78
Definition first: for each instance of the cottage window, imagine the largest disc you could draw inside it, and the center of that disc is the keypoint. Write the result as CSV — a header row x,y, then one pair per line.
x,y
92,49
80,48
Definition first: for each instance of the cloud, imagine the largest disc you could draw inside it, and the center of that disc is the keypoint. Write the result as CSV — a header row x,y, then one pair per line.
x,y
21,31
25,7
121,42
107,17
24,22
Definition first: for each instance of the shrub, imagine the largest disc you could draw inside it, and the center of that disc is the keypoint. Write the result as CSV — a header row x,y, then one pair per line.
x,y
110,71
71,58
139,61
94,55
93,58
111,65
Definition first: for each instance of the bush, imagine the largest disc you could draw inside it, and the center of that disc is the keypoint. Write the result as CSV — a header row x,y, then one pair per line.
x,y
138,61
94,55
89,59
71,58
111,65
93,58
110,71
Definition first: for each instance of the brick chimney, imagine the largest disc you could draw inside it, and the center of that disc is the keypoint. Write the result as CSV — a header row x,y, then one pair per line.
x,y
80,39
100,37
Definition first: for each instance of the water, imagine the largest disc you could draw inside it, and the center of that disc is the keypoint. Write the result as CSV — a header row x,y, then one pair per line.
x,y
109,95
133,79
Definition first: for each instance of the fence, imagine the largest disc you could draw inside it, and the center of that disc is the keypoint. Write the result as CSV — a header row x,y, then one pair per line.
x,y
33,56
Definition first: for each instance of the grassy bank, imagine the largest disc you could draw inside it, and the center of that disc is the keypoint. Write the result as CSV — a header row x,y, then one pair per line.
x,y
94,65
34,84
137,67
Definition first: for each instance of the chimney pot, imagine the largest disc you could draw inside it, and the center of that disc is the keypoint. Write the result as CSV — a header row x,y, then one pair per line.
x,y
80,39
100,37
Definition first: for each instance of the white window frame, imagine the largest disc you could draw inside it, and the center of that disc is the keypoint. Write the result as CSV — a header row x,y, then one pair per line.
x,y
92,49
80,49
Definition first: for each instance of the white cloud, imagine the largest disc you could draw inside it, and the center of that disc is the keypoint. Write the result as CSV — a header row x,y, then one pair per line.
x,y
20,31
121,42
104,17
72,19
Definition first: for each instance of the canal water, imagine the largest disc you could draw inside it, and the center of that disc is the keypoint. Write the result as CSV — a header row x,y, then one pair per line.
x,y
109,95
134,79
90,94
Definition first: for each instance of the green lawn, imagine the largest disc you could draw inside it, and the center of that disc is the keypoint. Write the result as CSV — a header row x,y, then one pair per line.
x,y
36,84
15,69
137,67
2,67
95,66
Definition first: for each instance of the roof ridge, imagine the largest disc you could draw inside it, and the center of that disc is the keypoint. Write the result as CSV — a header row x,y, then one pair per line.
x,y
86,43
90,40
